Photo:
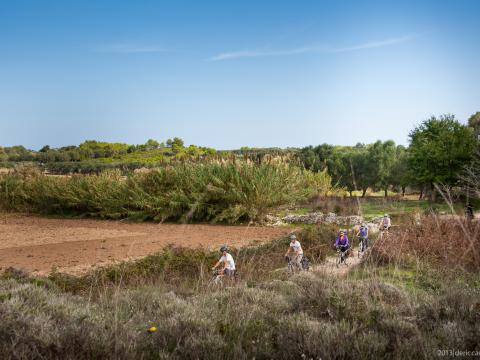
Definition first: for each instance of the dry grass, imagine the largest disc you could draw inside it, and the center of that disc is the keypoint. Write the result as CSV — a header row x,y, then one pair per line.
x,y
308,316
375,312
445,241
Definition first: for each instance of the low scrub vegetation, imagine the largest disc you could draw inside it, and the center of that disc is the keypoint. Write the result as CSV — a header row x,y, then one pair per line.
x,y
375,312
183,192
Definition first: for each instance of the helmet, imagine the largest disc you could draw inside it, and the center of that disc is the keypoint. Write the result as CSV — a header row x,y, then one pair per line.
x,y
341,231
386,215
364,225
293,237
223,248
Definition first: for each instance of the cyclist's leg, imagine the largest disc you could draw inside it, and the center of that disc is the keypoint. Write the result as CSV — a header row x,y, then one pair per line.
x,y
230,275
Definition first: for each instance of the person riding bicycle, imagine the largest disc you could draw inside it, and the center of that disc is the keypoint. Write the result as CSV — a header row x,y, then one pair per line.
x,y
469,213
297,250
342,243
386,222
227,261
363,235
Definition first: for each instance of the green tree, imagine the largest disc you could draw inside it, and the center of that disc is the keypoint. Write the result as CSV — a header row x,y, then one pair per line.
x,y
440,148
3,154
400,176
176,144
474,123
152,144
364,168
382,158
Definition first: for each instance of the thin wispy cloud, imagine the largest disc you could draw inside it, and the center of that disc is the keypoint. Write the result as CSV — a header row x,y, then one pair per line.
x,y
309,49
375,44
130,49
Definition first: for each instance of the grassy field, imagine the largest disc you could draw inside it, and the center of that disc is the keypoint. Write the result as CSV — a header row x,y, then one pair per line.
x,y
373,207
395,208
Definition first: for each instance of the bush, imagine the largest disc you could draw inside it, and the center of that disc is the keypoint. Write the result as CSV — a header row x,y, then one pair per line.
x,y
446,242
183,192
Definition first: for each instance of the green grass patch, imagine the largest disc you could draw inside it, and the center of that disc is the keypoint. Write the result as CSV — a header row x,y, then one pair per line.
x,y
372,208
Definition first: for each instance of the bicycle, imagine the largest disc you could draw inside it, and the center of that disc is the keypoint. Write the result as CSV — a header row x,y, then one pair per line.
x,y
219,278
291,265
384,233
341,256
362,246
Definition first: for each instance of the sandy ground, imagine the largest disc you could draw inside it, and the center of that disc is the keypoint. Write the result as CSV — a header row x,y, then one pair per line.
x,y
38,244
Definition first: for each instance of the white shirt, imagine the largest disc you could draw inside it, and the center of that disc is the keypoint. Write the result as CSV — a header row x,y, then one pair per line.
x,y
387,222
228,261
296,247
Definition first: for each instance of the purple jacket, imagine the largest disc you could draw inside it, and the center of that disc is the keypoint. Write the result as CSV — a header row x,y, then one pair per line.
x,y
340,242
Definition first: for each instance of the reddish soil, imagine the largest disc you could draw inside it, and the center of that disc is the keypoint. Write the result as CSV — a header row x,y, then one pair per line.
x,y
38,244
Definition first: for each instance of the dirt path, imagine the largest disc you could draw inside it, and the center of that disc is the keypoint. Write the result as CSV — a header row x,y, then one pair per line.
x,y
330,266
38,244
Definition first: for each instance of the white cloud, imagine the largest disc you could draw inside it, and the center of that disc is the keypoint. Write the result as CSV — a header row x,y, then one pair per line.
x,y
308,49
374,44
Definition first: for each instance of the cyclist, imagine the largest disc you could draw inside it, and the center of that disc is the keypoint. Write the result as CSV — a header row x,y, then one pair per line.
x,y
386,222
469,213
297,250
342,243
363,235
227,261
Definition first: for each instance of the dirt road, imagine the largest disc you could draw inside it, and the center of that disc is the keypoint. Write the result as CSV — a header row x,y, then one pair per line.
x,y
38,244
330,265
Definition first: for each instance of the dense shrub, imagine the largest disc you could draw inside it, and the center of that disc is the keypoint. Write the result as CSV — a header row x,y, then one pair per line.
x,y
198,192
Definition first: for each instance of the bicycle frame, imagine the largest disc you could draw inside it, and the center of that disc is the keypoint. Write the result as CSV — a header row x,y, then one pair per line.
x,y
341,257
292,265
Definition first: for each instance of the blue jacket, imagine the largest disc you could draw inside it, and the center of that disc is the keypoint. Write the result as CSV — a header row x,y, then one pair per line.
x,y
364,232
342,242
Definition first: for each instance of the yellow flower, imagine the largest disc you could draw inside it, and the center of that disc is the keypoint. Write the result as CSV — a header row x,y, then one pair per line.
x,y
152,329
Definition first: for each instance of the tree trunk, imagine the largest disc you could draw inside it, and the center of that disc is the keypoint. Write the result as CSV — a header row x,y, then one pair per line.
x,y
351,192
433,193
403,191
364,191
421,193
386,192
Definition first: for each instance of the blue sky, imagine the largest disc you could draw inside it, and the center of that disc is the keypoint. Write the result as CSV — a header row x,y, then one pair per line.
x,y
233,73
